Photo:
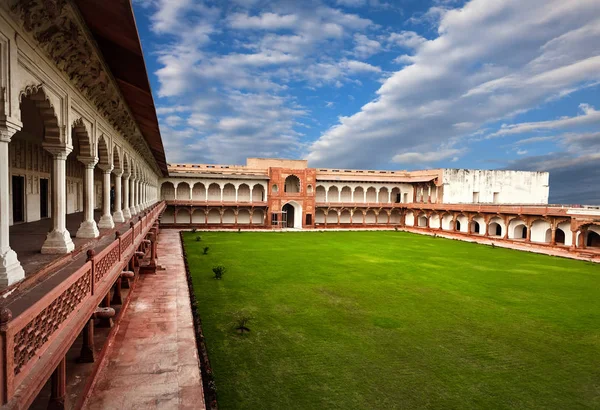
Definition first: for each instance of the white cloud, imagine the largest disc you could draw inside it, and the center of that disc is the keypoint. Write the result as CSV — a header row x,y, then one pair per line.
x,y
589,116
265,21
426,156
489,61
351,3
364,47
408,39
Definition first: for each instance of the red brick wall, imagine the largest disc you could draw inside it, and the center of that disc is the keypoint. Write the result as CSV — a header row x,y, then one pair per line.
x,y
277,200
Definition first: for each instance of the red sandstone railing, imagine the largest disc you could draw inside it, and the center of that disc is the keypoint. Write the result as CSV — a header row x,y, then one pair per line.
x,y
35,341
197,202
476,208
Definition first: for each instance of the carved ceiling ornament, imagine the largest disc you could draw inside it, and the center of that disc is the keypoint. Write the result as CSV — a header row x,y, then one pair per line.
x,y
54,24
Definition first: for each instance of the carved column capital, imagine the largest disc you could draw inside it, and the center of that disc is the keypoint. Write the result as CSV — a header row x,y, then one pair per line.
x,y
88,162
106,168
8,128
58,151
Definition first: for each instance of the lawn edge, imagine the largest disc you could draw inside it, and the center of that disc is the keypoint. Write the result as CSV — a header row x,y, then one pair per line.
x,y
208,381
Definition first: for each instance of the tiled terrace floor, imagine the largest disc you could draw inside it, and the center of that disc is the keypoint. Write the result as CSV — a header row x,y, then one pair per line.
x,y
154,362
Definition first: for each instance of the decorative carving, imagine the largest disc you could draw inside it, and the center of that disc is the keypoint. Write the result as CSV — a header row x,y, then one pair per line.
x,y
126,240
29,340
105,264
37,94
57,27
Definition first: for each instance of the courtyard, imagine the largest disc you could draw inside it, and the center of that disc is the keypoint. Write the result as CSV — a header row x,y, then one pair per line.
x,y
394,320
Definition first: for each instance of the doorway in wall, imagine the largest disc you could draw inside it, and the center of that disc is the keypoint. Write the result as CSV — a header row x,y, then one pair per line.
x,y
18,198
289,209
43,198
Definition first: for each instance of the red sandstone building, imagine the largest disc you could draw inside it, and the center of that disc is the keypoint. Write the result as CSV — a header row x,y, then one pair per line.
x,y
77,122
277,193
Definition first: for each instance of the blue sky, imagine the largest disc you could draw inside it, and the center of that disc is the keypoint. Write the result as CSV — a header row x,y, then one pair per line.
x,y
382,84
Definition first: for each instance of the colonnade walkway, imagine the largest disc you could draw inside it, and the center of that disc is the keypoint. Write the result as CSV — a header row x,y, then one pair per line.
x,y
154,361
26,239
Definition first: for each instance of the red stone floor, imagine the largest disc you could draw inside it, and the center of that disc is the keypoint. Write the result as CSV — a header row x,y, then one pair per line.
x,y
26,239
44,272
153,363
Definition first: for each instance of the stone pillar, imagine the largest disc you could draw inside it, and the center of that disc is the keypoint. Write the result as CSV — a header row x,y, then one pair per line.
x,y
236,199
553,236
88,228
11,270
136,195
574,243
106,221
58,387
141,203
118,214
389,196
326,198
126,209
528,239
132,210
146,194
251,200
58,240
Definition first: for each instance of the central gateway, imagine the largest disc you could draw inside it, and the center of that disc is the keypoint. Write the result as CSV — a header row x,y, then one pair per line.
x,y
293,212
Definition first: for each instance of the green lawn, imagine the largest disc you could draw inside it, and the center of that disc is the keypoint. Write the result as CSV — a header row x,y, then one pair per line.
x,y
391,320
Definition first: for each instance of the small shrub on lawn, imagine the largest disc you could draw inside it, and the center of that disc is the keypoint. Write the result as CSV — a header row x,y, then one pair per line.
x,y
205,250
194,230
239,230
219,271
242,319
493,245
198,238
396,228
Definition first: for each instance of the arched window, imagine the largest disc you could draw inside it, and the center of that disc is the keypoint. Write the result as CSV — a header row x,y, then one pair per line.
x,y
292,184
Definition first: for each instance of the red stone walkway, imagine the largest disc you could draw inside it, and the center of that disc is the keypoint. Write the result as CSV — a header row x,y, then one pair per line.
x,y
154,362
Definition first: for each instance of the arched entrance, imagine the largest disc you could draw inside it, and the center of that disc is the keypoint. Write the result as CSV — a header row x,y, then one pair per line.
x,y
294,214
593,240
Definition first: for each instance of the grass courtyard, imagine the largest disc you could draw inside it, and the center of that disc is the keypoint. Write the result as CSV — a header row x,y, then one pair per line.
x,y
393,320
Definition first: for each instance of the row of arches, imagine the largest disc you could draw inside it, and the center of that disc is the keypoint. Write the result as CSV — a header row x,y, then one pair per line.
x,y
347,216
540,230
54,171
537,231
360,194
213,216
200,191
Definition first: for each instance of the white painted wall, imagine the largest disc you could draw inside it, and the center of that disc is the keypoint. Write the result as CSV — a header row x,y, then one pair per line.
x,y
514,187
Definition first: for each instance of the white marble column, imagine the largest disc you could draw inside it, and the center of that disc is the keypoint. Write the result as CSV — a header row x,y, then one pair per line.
x,y
126,210
11,270
132,210
88,228
106,221
138,209
118,214
58,240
